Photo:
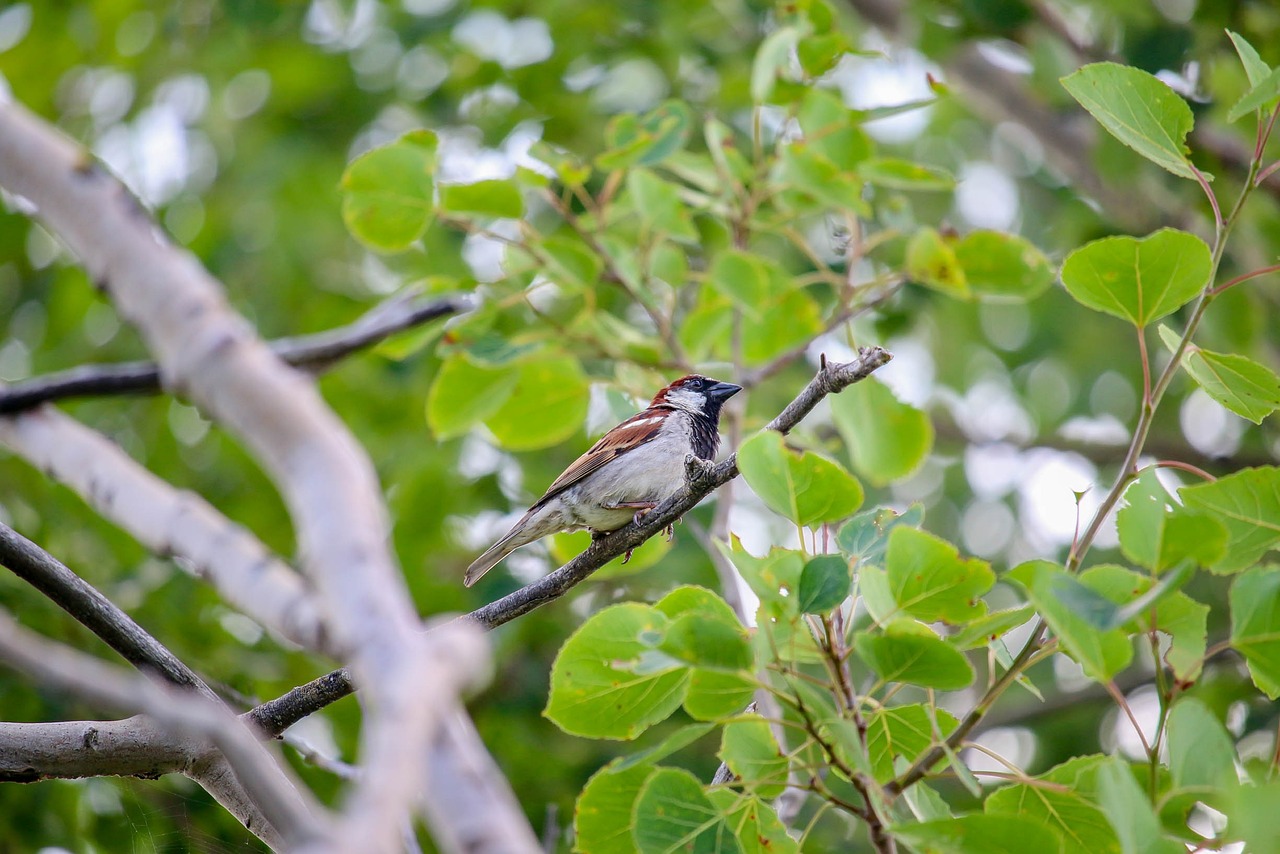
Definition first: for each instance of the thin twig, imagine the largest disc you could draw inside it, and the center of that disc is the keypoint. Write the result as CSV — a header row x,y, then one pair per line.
x,y
315,352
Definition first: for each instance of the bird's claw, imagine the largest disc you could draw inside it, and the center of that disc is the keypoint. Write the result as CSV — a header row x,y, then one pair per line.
x,y
671,532
626,557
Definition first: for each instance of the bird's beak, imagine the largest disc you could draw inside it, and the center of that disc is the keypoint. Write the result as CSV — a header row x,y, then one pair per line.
x,y
723,391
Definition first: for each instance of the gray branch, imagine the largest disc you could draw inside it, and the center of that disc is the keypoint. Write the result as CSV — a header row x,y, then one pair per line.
x,y
314,352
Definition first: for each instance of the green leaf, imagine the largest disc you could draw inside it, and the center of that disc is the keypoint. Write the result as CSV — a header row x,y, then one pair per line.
x,y
754,823
1240,384
1139,110
752,754
646,139
1255,625
910,652
1179,616
1067,806
717,694
1254,68
547,405
984,630
1263,95
464,393
673,814
806,488
786,323
979,834
896,174
773,56
902,733
678,740
865,537
1158,534
1138,280
658,203
888,440
599,686
831,131
747,279
1074,613
806,169
700,640
825,582
1248,504
932,261
1201,753
774,578
387,193
999,266
602,819
925,578
1129,811
572,262
1253,817
497,197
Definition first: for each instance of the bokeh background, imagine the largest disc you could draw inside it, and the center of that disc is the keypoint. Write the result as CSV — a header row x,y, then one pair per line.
x,y
233,122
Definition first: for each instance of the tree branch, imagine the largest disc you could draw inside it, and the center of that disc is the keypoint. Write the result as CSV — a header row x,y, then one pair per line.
x,y
294,814
211,355
96,612
170,522
316,352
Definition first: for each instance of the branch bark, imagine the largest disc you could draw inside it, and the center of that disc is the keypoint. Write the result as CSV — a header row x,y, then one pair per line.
x,y
296,817
170,522
211,355
314,352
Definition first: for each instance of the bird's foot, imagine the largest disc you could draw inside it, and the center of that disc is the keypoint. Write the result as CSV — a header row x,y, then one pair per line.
x,y
671,532
626,557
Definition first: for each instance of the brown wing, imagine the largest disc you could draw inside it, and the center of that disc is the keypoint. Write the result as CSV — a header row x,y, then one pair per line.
x,y
635,431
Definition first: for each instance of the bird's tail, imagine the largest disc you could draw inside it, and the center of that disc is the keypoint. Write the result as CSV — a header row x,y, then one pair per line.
x,y
490,558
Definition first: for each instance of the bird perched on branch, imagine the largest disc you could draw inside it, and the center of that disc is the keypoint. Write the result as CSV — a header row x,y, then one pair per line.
x,y
632,469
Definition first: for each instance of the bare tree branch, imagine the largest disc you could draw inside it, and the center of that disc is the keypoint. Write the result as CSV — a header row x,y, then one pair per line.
x,y
211,355
170,522
94,611
314,352
288,807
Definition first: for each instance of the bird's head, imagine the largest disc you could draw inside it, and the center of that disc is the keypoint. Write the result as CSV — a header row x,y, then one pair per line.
x,y
697,394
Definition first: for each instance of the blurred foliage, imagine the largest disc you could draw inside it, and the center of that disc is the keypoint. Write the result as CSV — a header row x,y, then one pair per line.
x,y
235,122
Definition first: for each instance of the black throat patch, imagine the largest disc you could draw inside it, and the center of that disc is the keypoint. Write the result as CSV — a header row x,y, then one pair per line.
x,y
705,434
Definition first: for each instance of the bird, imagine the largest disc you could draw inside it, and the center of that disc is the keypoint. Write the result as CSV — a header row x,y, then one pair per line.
x,y
633,468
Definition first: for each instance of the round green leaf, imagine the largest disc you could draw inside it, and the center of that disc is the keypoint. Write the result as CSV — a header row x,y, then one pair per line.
x,y
896,174
804,487
1240,384
497,197
1138,280
603,817
673,814
1247,503
752,754
925,578
610,680
547,405
1003,266
910,652
1255,625
903,732
1061,600
747,279
1138,109
932,261
978,834
887,439
387,192
464,393
825,582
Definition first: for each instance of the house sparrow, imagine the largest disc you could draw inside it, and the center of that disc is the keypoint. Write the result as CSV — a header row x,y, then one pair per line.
x,y
633,467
